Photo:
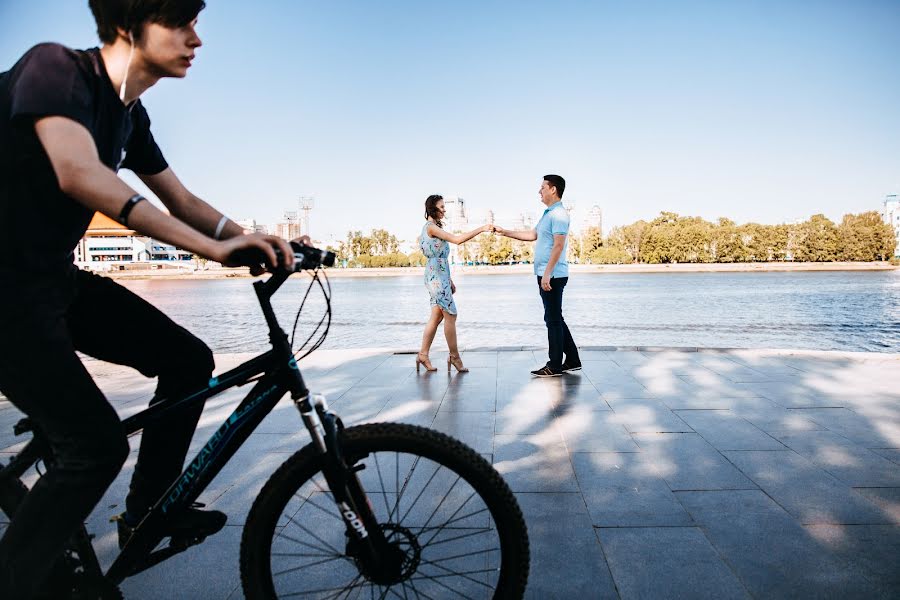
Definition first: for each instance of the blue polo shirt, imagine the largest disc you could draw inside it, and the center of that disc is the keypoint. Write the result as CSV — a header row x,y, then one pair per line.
x,y
554,221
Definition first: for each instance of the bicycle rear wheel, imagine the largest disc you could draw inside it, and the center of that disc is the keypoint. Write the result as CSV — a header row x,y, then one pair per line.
x,y
438,501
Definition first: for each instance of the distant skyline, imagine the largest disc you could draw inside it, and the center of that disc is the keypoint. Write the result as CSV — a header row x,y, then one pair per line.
x,y
761,111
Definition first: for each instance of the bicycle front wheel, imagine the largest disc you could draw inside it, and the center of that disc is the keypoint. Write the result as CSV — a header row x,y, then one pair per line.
x,y
443,505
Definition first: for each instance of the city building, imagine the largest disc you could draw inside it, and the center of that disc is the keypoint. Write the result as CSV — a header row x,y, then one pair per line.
x,y
593,218
891,216
524,220
455,216
251,226
289,227
108,244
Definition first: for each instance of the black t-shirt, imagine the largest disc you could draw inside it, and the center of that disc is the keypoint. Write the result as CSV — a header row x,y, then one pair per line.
x,y
39,225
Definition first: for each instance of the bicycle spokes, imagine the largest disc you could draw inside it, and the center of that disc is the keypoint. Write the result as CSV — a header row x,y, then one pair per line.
x,y
439,531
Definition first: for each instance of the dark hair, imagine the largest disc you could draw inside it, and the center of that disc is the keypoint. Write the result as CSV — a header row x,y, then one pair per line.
x,y
431,208
558,182
130,15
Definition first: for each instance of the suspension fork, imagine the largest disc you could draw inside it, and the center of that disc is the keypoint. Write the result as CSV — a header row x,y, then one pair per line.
x,y
355,507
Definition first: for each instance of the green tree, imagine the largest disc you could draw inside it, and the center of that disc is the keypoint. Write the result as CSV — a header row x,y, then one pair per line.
x,y
630,239
865,237
673,239
416,259
817,240
727,243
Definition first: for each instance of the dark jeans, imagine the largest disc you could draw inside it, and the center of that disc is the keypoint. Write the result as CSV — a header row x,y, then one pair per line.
x,y
558,335
42,324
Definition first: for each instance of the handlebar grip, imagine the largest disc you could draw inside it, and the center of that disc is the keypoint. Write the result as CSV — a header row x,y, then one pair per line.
x,y
307,257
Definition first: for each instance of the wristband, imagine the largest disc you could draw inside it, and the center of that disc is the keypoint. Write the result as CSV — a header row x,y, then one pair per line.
x,y
126,210
222,222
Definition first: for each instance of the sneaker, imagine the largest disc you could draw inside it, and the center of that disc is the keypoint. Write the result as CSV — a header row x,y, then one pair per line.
x,y
546,371
571,367
193,523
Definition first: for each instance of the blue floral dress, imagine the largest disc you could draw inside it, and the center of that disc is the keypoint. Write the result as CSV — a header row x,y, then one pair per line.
x,y
437,270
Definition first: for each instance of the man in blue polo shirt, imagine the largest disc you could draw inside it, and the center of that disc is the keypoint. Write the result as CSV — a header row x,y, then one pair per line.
x,y
552,271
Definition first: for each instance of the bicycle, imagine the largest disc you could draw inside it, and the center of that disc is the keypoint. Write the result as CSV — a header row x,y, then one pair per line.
x,y
377,510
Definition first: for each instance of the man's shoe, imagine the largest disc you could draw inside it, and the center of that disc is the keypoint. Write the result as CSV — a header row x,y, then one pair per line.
x,y
190,524
571,367
547,371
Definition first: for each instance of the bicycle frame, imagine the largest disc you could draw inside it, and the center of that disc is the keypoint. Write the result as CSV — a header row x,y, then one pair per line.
x,y
278,374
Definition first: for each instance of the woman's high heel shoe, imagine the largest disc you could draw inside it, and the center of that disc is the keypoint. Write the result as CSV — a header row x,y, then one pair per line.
x,y
424,362
456,361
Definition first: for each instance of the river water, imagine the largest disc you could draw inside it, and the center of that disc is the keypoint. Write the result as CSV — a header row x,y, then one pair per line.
x,y
810,310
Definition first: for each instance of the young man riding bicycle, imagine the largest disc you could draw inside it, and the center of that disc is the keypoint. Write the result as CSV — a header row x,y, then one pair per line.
x,y
69,120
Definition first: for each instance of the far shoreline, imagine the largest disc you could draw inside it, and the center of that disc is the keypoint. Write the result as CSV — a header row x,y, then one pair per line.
x,y
575,269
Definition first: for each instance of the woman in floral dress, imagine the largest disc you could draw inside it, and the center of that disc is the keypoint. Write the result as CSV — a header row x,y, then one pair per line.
x,y
435,245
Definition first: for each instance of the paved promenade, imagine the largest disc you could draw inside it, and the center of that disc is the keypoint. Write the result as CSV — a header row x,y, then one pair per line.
x,y
652,473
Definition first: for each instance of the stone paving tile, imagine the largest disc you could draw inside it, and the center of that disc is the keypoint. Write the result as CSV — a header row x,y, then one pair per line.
x,y
725,430
425,386
534,463
849,462
522,423
743,374
480,377
794,394
559,529
770,417
623,490
236,489
594,355
479,360
771,553
532,393
804,489
210,570
647,416
614,391
470,398
874,549
674,562
855,427
892,454
584,394
586,430
775,368
474,429
687,462
886,499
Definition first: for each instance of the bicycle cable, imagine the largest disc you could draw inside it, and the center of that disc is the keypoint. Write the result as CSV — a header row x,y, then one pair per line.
x,y
326,294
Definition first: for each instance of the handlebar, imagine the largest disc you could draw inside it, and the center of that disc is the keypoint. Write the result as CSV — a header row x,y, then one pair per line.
x,y
305,258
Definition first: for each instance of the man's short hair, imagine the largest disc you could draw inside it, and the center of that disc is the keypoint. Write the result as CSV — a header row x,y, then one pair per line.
x,y
558,182
130,15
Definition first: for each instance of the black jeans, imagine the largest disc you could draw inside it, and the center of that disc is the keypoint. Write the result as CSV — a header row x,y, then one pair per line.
x,y
43,321
558,335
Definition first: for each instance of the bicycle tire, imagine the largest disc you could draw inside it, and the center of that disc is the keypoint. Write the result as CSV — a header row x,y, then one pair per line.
x,y
271,516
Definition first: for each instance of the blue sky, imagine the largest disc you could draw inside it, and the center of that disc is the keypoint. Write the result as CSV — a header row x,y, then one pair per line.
x,y
762,111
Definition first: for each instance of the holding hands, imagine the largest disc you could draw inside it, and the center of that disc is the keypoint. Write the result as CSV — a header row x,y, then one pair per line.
x,y
491,228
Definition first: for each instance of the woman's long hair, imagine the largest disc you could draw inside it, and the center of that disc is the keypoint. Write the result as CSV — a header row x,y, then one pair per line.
x,y
431,209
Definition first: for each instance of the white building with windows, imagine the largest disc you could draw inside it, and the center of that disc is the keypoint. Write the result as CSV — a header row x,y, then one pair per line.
x,y
891,216
455,216
108,244
251,226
